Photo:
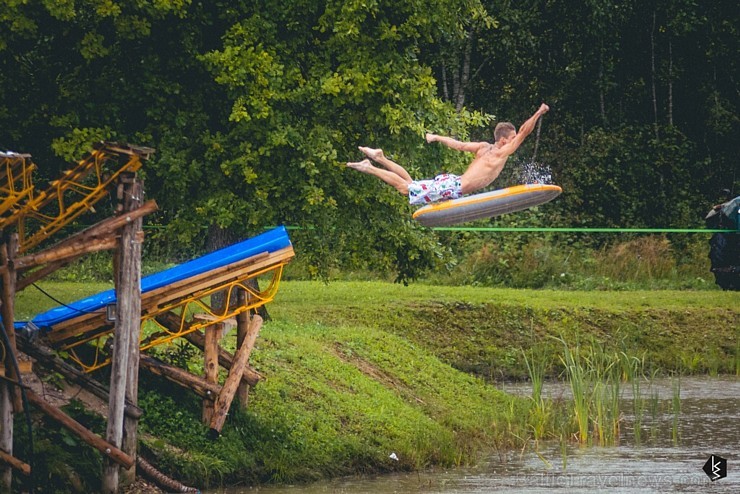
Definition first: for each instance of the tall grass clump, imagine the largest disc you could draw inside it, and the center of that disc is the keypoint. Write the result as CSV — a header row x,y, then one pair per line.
x,y
541,411
595,376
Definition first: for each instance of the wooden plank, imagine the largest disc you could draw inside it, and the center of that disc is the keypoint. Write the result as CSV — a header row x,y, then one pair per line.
x,y
24,366
216,281
223,402
107,449
89,322
77,324
14,462
178,376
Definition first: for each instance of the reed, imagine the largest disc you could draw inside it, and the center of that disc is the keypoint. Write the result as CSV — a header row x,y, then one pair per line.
x,y
676,407
540,412
633,372
579,386
595,376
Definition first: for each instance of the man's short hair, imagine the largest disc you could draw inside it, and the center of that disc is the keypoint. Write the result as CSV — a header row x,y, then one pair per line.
x,y
503,129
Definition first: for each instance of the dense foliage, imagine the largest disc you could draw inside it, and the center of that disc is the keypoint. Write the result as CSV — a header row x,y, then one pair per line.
x,y
254,107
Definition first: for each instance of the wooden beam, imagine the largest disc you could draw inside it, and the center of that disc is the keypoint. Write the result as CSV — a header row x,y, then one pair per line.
x,y
242,327
94,233
223,402
14,462
225,359
34,276
196,384
47,358
107,449
76,249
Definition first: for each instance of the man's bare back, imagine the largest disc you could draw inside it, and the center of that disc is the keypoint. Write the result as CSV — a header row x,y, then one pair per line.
x,y
484,169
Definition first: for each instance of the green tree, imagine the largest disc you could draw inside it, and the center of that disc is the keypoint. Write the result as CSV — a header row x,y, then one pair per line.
x,y
253,109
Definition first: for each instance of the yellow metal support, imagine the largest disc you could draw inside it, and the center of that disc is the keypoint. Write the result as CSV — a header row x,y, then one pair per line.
x,y
74,193
16,182
186,307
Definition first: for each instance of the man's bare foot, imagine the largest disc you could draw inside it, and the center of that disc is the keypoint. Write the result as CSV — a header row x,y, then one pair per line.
x,y
371,153
361,166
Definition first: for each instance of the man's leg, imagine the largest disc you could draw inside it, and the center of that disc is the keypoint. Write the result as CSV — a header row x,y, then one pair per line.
x,y
386,176
377,155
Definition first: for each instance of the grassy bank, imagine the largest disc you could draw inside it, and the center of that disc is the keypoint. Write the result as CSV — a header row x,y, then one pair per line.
x,y
357,371
484,330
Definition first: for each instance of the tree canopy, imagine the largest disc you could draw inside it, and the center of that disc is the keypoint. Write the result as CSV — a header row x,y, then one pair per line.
x,y
255,106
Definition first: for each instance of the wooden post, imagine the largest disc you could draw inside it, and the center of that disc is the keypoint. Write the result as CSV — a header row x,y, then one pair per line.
x,y
134,232
9,394
242,325
127,331
9,277
197,338
210,364
223,402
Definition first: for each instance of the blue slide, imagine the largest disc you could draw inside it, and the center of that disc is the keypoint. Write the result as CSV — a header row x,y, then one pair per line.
x,y
270,241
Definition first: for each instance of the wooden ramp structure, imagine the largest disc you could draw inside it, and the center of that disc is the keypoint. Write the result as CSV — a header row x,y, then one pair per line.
x,y
115,326
29,217
173,301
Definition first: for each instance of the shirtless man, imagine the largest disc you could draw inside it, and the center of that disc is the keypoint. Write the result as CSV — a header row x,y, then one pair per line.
x,y
486,166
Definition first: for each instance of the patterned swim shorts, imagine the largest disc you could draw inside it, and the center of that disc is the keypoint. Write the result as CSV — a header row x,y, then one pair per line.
x,y
443,188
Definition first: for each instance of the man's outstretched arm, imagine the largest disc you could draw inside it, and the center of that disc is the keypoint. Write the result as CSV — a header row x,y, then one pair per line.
x,y
471,147
526,129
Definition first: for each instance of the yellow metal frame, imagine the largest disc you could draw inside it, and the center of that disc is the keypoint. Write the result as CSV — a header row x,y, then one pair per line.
x,y
16,180
78,183
188,306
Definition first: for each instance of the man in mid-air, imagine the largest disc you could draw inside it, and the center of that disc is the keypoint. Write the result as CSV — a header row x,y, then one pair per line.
x,y
486,166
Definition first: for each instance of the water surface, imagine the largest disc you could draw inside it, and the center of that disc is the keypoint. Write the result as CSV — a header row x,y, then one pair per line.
x,y
668,455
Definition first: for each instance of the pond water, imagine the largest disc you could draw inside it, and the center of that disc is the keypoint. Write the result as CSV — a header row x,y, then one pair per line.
x,y
667,455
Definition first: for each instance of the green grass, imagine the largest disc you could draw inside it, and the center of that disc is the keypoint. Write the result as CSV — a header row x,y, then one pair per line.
x,y
31,301
359,370
297,295
341,400
483,330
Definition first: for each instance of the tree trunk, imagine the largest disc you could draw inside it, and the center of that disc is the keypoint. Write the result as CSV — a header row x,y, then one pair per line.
x,y
218,238
445,86
464,77
670,82
652,73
